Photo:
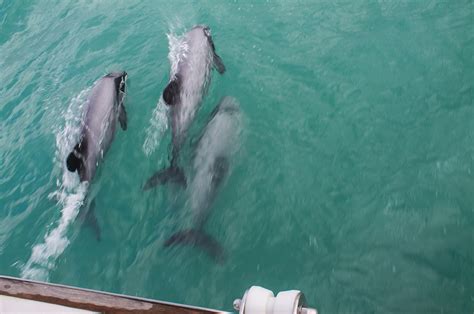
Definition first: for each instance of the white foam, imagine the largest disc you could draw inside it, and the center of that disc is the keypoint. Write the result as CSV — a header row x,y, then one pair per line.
x,y
156,129
70,195
178,50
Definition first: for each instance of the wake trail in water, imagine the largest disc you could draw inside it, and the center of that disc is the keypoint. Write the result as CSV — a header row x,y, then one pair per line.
x,y
158,126
159,120
70,195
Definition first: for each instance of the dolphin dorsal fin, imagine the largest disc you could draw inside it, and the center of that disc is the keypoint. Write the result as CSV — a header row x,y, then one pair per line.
x,y
75,159
171,92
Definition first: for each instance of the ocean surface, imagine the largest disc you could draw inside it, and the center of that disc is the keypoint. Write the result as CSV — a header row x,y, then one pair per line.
x,y
353,177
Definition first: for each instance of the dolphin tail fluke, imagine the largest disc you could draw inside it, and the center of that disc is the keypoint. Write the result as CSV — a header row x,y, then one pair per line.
x,y
200,239
172,174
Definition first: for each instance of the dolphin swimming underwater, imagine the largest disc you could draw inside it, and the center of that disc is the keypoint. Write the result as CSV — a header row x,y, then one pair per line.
x,y
183,94
217,145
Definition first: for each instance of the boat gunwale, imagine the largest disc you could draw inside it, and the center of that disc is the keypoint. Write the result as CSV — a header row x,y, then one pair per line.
x,y
89,299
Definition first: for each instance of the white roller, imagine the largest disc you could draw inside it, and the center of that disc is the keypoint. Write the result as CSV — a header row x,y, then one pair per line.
x,y
258,300
287,301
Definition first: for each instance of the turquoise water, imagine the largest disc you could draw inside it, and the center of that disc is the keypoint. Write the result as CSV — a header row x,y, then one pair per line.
x,y
354,179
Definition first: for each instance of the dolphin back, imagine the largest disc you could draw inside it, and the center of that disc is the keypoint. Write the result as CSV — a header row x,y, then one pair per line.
x,y
211,167
105,105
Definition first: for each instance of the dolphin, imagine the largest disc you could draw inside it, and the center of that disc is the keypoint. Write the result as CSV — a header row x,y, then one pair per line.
x,y
183,94
105,107
211,167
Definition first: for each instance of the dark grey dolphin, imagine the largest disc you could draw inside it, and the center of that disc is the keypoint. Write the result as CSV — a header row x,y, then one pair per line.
x,y
105,105
184,93
211,166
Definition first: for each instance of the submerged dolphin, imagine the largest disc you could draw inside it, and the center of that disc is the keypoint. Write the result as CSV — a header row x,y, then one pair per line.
x,y
105,106
184,93
211,166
